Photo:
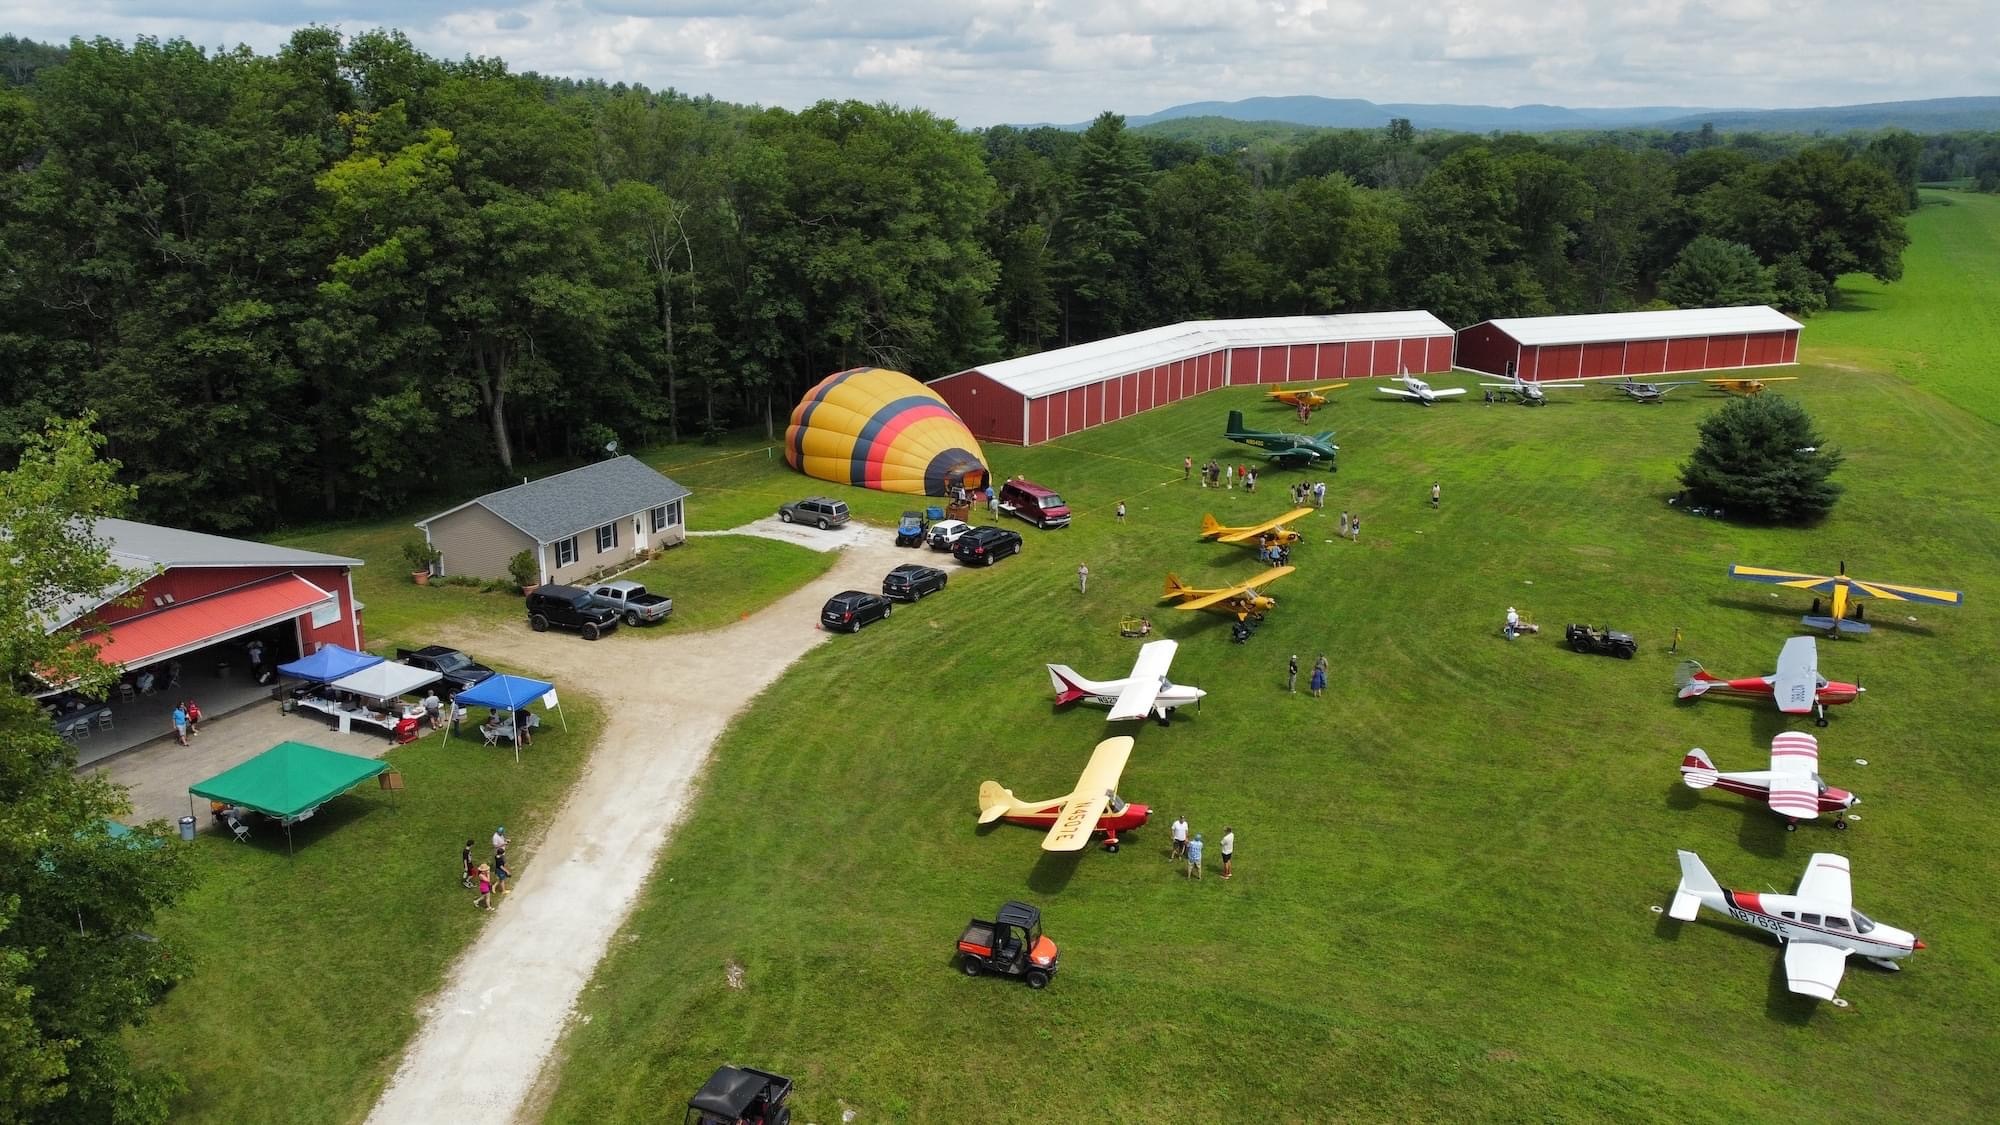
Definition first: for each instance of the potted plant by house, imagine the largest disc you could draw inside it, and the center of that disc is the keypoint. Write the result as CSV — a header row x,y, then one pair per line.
x,y
422,558
524,572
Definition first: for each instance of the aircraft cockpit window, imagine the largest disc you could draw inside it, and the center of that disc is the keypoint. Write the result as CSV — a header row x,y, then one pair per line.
x,y
1116,803
1863,923
1835,922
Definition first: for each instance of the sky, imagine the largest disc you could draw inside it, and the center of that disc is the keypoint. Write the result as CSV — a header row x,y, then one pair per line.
x,y
984,62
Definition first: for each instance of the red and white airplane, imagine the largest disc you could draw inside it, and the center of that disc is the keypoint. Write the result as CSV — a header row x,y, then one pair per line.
x,y
1796,685
1093,807
1816,923
1792,786
1146,691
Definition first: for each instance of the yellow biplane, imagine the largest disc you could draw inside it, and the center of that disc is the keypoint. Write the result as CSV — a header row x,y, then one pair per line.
x,y
1844,594
1270,533
1311,398
1241,602
1747,386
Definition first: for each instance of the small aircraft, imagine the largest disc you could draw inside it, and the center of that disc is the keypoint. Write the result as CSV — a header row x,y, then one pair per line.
x,y
1792,786
1530,393
1146,691
1289,451
1816,923
1416,390
1796,685
1270,533
1844,592
1092,807
1747,386
1650,392
1308,399
1240,602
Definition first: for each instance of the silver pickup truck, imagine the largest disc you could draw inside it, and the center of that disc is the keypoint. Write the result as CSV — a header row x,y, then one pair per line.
x,y
633,603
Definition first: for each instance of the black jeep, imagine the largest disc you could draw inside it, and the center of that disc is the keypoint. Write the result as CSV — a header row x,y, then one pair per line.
x,y
567,607
1584,638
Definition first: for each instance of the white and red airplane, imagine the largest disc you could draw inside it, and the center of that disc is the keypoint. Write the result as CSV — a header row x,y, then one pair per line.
x,y
1792,786
1146,691
1796,685
1416,390
1816,923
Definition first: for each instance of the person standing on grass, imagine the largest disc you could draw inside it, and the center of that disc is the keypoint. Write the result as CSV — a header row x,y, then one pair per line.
x,y
181,724
1178,834
1437,491
434,709
1082,578
1121,511
500,872
993,503
485,886
500,840
1319,494
1319,676
1229,477
470,872
1187,467
1228,848
1355,528
1343,525
1194,857
1292,675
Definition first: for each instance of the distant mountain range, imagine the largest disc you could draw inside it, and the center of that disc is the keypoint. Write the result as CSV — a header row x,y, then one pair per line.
x,y
1934,115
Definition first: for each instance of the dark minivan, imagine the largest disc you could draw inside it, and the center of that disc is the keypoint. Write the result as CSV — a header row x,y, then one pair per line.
x,y
567,607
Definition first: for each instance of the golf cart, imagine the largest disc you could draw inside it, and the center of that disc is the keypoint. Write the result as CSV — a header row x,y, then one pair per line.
x,y
912,531
741,1095
1583,638
1011,945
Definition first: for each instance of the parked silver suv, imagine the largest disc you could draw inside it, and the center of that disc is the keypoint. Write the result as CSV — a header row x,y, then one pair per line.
x,y
819,511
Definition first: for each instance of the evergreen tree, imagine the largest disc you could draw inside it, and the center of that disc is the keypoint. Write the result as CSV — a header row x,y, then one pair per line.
x,y
1760,458
1710,273
1100,237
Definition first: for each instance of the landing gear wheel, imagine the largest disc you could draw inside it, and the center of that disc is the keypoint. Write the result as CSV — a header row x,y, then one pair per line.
x,y
1840,826
1821,721
971,966
1791,826
1037,979
1111,846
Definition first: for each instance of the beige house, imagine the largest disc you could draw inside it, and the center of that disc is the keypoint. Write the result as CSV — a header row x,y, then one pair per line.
x,y
573,523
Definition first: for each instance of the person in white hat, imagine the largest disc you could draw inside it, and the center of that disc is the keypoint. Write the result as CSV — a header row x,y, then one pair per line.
x,y
1513,622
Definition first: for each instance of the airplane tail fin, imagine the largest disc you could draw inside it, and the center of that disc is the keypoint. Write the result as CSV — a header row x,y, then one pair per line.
x,y
1697,771
1175,587
1695,882
1694,680
1064,679
1844,624
1209,526
1235,422
994,801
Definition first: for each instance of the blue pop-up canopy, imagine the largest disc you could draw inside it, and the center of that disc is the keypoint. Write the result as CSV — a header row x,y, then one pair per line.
x,y
510,694
328,664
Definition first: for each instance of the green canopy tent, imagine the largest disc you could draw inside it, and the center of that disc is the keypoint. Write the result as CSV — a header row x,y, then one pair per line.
x,y
288,782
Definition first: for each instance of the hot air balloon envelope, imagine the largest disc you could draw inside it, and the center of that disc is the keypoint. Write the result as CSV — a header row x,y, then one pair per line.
x,y
882,429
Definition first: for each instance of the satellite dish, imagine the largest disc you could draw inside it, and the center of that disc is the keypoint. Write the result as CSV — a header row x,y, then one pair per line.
x,y
611,446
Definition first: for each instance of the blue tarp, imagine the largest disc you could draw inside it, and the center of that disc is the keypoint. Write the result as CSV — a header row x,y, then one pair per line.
x,y
509,693
328,664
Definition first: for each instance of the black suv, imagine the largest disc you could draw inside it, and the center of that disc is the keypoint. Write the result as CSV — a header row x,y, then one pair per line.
x,y
912,581
983,546
851,609
459,670
567,607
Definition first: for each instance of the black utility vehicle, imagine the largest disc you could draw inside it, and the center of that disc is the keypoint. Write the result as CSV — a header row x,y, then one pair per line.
x,y
1584,638
851,609
983,546
911,581
459,670
567,607
1012,945
741,1095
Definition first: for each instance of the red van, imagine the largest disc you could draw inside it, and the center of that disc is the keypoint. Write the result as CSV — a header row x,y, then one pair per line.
x,y
1031,502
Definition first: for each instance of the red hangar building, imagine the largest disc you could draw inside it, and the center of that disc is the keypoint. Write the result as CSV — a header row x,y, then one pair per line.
x,y
1600,345
1040,397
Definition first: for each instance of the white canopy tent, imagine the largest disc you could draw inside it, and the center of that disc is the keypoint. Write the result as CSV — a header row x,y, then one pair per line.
x,y
386,680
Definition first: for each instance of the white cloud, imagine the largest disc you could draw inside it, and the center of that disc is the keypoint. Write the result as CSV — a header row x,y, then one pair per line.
x,y
986,61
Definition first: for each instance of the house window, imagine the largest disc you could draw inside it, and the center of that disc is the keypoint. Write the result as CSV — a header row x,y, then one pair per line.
x,y
566,551
659,520
607,538
674,514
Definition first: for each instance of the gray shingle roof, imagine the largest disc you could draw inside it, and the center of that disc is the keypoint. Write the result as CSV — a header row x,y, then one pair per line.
x,y
560,506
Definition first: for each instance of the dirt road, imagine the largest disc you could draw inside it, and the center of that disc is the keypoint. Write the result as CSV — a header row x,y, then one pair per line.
x,y
487,1035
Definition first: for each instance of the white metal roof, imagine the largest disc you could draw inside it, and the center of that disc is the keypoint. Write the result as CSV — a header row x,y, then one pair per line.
x,y
141,550
386,680
1080,365
1656,325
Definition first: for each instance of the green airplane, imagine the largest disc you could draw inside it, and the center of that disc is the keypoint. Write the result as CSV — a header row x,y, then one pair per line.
x,y
1288,451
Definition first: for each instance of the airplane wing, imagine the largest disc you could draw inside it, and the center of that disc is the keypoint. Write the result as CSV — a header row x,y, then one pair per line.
x,y
1795,685
1294,457
1812,969
1149,673
1891,592
1077,818
1795,752
1818,583
1446,392
1794,786
1212,597
1399,392
1826,882
1239,534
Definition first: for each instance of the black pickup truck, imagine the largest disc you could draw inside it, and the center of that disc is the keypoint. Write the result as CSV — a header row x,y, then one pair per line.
x,y
459,670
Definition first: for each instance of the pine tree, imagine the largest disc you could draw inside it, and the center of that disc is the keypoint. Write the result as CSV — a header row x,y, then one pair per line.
x,y
1761,458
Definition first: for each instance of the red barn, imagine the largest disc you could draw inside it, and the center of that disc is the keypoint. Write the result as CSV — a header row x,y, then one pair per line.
x,y
1039,397
1633,343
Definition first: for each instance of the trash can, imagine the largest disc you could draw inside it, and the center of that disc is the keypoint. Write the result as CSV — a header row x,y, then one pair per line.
x,y
187,828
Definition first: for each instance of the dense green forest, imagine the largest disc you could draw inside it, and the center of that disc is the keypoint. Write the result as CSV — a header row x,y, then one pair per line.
x,y
347,276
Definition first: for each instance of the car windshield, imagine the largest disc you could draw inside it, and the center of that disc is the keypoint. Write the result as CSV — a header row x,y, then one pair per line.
x,y
587,601
1052,501
451,661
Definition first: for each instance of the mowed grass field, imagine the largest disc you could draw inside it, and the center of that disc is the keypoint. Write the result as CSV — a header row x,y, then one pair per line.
x,y
1447,868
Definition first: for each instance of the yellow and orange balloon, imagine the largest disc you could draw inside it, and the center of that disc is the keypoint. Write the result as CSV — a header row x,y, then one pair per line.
x,y
882,429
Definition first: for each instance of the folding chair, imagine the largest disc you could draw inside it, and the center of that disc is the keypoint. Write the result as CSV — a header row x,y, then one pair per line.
x,y
80,729
241,830
126,692
104,719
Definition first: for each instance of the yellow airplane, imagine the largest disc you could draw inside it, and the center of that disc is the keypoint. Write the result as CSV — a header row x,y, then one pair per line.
x,y
1271,532
1845,592
1747,386
1242,601
1092,807
1312,398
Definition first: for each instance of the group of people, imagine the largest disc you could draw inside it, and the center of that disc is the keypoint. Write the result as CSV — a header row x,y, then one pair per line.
x,y
487,878
1189,849
187,720
1350,526
1317,683
1225,476
1309,493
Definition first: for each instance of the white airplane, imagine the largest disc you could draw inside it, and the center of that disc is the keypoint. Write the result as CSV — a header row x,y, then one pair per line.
x,y
1792,786
1416,390
1146,691
1529,393
1816,923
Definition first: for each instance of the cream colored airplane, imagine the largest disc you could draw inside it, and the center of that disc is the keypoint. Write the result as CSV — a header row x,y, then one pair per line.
x,y
1092,807
1240,601
1271,532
